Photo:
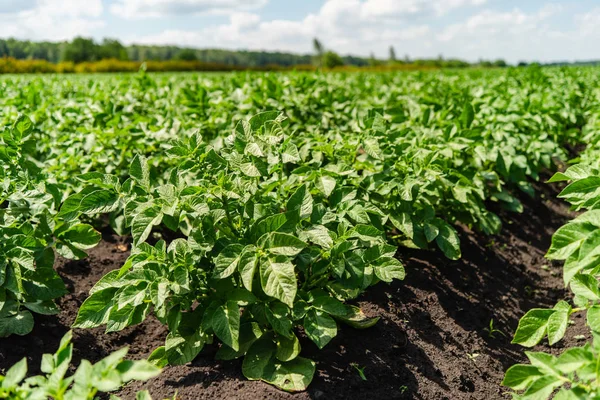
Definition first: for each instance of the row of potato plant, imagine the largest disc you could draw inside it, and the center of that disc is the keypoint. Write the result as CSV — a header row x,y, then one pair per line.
x,y
574,373
283,221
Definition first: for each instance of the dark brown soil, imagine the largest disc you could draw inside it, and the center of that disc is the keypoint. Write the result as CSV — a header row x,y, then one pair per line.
x,y
431,342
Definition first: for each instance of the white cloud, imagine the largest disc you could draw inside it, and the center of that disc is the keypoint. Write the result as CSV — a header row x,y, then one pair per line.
x,y
363,26
348,26
467,29
132,9
517,35
589,23
50,20
413,8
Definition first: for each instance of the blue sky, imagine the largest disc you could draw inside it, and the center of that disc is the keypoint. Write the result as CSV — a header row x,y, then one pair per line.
x,y
544,30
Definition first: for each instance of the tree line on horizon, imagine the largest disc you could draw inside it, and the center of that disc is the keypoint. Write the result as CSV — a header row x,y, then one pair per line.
x,y
81,49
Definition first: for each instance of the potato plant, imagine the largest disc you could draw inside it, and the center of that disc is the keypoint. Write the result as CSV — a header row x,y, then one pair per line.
x,y
575,371
31,232
105,376
265,247
253,232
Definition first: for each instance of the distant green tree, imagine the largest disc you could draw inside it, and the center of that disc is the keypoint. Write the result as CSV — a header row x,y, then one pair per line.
x,y
80,50
112,48
332,60
186,55
500,63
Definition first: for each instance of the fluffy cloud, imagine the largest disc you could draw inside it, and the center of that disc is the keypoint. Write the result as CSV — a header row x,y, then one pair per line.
x,y
412,8
49,19
348,26
516,35
364,26
159,8
589,23
468,29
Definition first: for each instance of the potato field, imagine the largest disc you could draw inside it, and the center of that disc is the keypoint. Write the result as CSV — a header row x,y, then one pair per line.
x,y
301,235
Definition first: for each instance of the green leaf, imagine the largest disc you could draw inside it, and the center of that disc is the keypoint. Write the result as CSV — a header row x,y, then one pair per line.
x,y
593,318
95,309
519,376
140,370
448,240
182,350
532,327
140,171
99,202
326,184
15,375
249,333
388,268
319,235
227,261
258,361
287,348
467,116
302,201
159,357
260,364
355,318
557,326
253,149
23,127
19,324
290,154
294,375
542,387
283,244
81,236
581,191
371,147
319,327
249,169
142,224
273,223
278,279
579,171
43,307
568,238
574,359
226,324
247,266
278,316
366,232
403,222
585,286
259,120
330,305
431,232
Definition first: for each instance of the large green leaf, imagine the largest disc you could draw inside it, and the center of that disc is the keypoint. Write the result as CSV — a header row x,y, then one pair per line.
x,y
278,279
18,324
319,327
95,309
226,324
